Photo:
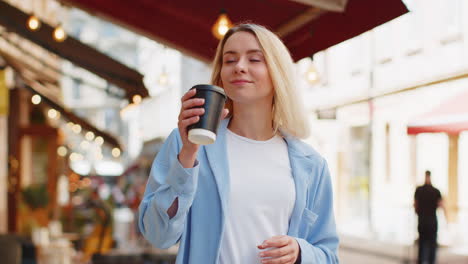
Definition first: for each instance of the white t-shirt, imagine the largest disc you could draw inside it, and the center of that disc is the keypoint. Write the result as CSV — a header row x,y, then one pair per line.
x,y
261,199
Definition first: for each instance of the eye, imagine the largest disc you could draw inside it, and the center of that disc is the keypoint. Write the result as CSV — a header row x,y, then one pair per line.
x,y
227,61
254,59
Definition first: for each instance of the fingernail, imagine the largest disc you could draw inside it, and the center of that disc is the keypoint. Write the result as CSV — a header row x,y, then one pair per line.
x,y
262,254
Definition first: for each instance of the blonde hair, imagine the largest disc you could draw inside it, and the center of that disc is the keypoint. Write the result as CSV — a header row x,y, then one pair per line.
x,y
288,112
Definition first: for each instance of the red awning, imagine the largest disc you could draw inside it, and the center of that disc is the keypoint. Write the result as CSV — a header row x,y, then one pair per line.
x,y
186,24
450,117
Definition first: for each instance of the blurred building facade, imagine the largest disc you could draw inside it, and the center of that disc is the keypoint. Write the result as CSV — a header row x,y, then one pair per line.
x,y
375,85
20,118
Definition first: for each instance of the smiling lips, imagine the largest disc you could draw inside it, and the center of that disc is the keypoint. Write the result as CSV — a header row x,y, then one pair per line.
x,y
240,82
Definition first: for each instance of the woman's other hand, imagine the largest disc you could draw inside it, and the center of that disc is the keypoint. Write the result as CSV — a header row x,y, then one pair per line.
x,y
284,250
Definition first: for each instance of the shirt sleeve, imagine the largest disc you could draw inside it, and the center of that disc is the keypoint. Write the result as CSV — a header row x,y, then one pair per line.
x,y
321,244
167,181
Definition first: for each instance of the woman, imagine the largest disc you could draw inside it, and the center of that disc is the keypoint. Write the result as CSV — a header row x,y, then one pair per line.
x,y
258,194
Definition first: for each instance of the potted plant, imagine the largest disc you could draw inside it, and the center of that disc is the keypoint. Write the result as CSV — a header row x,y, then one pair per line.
x,y
36,197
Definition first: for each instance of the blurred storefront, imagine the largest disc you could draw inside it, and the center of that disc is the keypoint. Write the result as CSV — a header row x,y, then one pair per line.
x,y
56,155
388,90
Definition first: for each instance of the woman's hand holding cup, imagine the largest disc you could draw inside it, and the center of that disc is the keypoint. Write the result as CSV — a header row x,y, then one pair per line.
x,y
190,113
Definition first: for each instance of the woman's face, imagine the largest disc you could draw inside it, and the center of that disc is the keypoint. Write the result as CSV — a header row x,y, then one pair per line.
x,y
244,72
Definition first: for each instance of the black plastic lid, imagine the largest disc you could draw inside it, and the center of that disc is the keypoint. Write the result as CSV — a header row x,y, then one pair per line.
x,y
210,87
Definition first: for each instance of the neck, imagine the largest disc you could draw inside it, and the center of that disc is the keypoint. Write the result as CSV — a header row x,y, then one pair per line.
x,y
252,121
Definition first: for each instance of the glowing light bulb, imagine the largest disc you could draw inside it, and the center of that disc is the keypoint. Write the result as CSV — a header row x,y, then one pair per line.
x,y
36,99
89,135
59,34
62,151
99,140
33,23
221,26
76,128
312,75
52,114
116,152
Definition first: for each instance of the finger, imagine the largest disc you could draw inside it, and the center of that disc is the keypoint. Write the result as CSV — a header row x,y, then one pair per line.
x,y
225,113
276,241
276,252
192,103
188,94
281,260
191,112
187,122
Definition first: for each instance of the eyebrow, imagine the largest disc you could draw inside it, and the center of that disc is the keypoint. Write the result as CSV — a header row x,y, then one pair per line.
x,y
249,51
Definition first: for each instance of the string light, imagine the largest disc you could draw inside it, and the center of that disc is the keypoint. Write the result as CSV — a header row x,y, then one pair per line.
x,y
62,151
33,23
59,34
89,135
99,140
53,114
36,99
76,128
76,157
116,152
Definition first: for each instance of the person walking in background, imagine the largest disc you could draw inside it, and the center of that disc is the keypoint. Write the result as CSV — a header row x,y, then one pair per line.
x,y
257,194
427,199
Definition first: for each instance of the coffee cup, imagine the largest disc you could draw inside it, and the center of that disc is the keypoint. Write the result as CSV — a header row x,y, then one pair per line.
x,y
204,131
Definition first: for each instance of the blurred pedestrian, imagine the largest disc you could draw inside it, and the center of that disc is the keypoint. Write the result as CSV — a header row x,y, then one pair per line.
x,y
427,199
256,195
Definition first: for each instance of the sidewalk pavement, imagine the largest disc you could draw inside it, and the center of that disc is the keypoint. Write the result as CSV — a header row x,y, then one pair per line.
x,y
366,251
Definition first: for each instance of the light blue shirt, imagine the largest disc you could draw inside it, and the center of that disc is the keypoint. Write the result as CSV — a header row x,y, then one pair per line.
x,y
203,191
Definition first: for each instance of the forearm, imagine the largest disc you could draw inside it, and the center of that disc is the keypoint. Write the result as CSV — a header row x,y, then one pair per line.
x,y
172,211
168,197
187,157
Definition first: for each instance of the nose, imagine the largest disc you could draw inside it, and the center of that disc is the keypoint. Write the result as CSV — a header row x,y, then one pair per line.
x,y
240,66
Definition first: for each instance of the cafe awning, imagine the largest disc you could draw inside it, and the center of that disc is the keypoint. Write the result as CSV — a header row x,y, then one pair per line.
x,y
449,117
306,26
78,53
45,86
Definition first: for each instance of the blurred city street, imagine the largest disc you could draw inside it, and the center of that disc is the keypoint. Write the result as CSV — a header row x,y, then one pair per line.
x,y
90,90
